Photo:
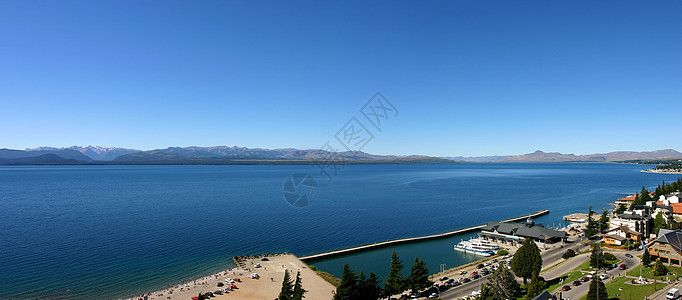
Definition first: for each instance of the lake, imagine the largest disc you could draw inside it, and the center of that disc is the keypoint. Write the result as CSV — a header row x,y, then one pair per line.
x,y
103,232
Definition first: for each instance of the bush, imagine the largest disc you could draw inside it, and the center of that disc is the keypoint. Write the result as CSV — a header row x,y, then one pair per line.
x,y
609,256
502,252
659,268
568,254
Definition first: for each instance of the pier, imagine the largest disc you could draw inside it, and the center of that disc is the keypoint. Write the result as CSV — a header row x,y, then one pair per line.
x,y
341,252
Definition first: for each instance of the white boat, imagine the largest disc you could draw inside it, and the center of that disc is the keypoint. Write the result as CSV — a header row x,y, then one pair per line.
x,y
475,247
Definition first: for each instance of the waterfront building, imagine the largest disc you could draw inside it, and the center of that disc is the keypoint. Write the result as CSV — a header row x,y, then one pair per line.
x,y
515,233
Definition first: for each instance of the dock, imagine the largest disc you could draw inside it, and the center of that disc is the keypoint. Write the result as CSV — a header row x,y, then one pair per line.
x,y
341,252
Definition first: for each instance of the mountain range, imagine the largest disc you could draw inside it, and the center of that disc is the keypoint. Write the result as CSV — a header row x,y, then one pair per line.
x,y
242,155
539,156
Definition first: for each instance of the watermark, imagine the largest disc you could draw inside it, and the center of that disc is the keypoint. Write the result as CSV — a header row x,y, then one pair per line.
x,y
300,189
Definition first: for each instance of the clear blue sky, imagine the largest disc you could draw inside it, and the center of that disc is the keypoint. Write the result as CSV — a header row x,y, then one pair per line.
x,y
468,77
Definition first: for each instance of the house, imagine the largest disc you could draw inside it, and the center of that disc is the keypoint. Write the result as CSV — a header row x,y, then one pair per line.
x,y
614,240
667,247
621,235
638,221
545,295
514,233
627,200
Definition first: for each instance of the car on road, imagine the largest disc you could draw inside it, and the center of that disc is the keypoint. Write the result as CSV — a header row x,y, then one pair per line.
x,y
565,288
623,267
628,255
577,282
603,276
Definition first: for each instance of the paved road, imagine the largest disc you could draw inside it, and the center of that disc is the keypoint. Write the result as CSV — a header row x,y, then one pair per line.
x,y
578,291
550,257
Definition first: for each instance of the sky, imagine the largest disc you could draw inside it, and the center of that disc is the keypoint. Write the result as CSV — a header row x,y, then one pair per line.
x,y
466,78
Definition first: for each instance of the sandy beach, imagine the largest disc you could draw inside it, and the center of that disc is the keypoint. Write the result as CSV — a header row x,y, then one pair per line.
x,y
267,287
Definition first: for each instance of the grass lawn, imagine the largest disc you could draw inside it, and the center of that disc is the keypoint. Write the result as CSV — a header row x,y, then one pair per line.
x,y
556,283
646,272
629,291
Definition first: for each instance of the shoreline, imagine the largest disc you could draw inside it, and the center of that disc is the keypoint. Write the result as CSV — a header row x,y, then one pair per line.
x,y
270,269
661,172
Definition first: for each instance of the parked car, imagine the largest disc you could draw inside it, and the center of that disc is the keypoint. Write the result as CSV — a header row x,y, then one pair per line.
x,y
444,278
462,273
623,267
264,259
565,288
474,273
577,282
480,266
220,284
603,276
455,283
465,280
628,255
476,276
485,272
584,279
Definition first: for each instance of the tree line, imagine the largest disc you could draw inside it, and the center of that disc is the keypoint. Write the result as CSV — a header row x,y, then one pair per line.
x,y
359,287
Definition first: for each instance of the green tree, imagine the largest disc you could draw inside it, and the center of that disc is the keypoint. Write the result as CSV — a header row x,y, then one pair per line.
x,y
620,209
646,258
372,289
419,276
287,286
659,269
592,226
597,290
596,258
487,293
299,292
395,283
501,285
202,296
347,290
535,287
659,222
604,221
527,260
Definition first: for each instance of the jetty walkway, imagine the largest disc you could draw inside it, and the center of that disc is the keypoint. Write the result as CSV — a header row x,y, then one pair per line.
x,y
410,240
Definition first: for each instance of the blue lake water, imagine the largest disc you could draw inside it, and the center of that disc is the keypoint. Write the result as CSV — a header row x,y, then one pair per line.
x,y
102,232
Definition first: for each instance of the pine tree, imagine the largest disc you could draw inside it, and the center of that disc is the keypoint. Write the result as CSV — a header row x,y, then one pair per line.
x,y
395,283
348,287
501,285
535,287
596,258
646,258
620,209
597,290
373,287
603,221
527,260
299,292
592,226
419,277
285,293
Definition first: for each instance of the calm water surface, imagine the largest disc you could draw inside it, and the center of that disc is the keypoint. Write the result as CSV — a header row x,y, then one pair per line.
x,y
104,232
